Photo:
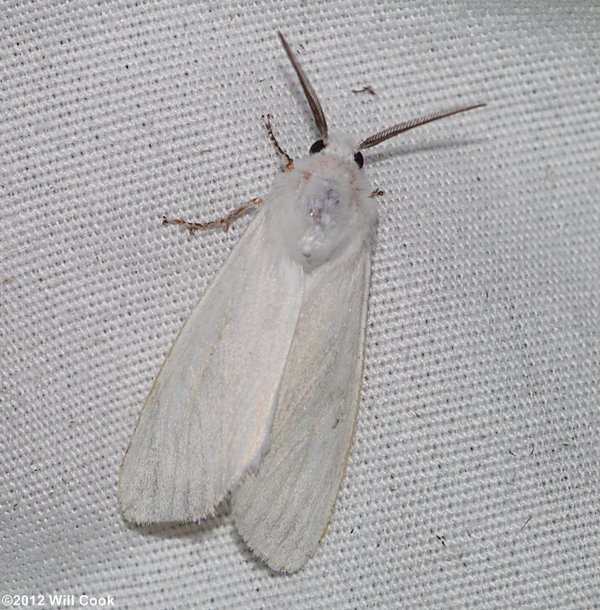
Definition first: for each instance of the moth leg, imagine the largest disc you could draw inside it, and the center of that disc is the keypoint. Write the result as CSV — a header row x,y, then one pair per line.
x,y
192,227
288,161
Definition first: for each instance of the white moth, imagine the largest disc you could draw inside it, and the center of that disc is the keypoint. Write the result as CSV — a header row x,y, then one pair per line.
x,y
258,396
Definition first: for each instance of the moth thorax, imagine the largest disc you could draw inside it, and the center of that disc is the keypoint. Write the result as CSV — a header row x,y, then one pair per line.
x,y
324,210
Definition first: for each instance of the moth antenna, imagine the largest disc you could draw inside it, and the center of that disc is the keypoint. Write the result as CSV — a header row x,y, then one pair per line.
x,y
309,92
399,128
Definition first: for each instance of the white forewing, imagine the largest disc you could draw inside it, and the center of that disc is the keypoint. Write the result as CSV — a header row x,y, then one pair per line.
x,y
208,415
283,510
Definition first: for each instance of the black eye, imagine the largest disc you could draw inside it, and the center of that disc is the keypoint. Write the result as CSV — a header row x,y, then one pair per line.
x,y
359,159
318,146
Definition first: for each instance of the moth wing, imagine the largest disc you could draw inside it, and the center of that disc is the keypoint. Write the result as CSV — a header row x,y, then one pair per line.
x,y
283,510
209,412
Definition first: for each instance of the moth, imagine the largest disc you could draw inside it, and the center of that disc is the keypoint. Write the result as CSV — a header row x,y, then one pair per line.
x,y
259,395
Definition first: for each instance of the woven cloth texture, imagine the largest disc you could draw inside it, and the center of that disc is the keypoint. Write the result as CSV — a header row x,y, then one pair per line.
x,y
474,477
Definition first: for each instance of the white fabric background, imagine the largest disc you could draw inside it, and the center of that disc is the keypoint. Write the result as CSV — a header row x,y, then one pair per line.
x,y
474,475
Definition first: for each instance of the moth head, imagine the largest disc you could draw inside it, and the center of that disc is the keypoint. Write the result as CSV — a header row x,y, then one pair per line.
x,y
325,140
338,145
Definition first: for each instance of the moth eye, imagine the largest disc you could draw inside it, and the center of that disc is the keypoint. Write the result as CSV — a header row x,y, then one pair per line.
x,y
318,146
358,158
